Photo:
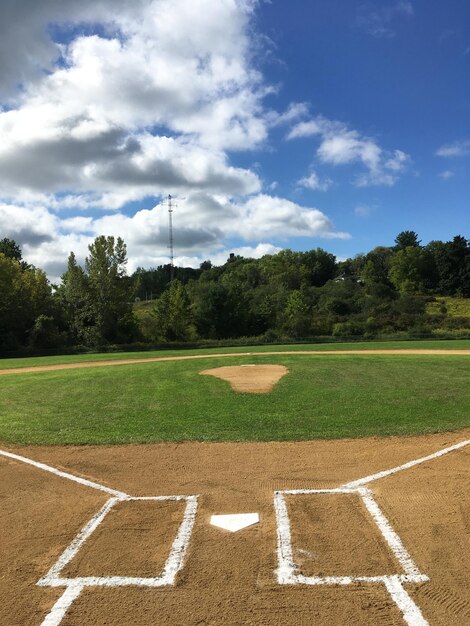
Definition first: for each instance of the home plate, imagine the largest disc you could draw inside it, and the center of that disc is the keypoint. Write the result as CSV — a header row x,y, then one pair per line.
x,y
235,522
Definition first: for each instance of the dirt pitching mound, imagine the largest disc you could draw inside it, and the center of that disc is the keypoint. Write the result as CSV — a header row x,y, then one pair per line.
x,y
249,378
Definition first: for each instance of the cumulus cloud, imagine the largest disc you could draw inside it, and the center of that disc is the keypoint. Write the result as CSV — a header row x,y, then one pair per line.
x,y
202,224
110,102
379,20
446,174
363,210
140,108
314,182
459,148
340,145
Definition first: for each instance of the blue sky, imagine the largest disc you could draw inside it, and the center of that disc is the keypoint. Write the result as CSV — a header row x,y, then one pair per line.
x,y
334,123
408,86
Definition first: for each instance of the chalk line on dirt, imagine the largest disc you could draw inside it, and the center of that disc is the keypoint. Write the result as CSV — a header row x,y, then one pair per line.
x,y
411,612
399,468
287,571
47,468
173,564
62,605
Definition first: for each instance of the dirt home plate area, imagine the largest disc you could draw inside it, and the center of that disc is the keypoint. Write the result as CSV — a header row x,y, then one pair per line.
x,y
371,531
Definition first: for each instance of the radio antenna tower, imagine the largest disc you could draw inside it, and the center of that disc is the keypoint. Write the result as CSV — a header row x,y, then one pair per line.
x,y
170,234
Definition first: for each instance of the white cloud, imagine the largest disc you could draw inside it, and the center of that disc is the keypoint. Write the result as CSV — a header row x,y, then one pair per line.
x,y
146,98
152,107
264,215
340,145
294,111
314,182
202,224
446,174
459,148
363,210
379,21
307,129
249,252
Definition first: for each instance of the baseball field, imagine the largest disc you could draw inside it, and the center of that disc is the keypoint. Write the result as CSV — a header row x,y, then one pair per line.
x,y
354,457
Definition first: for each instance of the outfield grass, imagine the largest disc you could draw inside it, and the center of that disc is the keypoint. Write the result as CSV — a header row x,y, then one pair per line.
x,y
430,344
321,397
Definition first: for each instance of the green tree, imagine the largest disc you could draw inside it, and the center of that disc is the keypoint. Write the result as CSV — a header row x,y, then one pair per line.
x,y
407,239
375,272
320,265
452,260
109,289
412,270
173,314
25,295
297,315
76,303
10,249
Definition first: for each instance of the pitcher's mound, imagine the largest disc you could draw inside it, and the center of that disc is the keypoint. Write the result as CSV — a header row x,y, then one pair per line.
x,y
249,378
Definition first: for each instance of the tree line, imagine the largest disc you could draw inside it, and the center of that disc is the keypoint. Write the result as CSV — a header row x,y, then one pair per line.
x,y
289,295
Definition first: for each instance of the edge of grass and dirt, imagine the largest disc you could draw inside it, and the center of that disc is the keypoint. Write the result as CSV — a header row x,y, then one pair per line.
x,y
40,361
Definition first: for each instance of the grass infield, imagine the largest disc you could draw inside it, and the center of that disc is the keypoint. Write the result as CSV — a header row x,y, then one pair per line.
x,y
326,398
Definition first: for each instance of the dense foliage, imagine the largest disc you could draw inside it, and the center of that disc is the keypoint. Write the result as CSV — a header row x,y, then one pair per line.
x,y
289,295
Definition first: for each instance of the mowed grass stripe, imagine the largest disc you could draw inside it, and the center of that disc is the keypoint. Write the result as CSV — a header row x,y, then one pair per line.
x,y
463,344
348,396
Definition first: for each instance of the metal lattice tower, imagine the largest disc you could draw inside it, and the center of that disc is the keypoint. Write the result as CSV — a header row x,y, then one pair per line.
x,y
170,234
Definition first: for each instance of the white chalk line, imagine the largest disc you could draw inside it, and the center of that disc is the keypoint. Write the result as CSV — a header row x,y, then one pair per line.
x,y
368,479
62,605
391,537
67,475
300,579
180,546
77,543
411,612
74,586
287,569
173,564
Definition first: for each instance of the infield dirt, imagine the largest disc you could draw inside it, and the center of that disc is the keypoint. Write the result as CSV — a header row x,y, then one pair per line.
x,y
325,353
229,579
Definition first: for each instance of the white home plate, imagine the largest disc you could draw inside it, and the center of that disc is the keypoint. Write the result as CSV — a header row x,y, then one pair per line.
x,y
235,522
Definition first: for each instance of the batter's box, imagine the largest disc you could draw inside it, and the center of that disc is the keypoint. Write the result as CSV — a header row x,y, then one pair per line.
x,y
293,561
74,567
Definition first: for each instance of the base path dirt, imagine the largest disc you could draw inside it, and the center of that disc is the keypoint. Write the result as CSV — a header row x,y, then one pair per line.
x,y
249,378
68,366
227,578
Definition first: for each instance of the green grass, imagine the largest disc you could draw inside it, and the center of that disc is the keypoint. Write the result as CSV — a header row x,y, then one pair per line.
x,y
335,397
463,344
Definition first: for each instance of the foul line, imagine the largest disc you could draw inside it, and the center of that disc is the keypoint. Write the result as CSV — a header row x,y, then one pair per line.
x,y
410,611
288,572
62,605
368,479
82,481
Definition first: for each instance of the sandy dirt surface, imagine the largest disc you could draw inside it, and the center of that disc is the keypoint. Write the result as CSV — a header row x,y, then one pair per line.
x,y
249,378
229,579
68,366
